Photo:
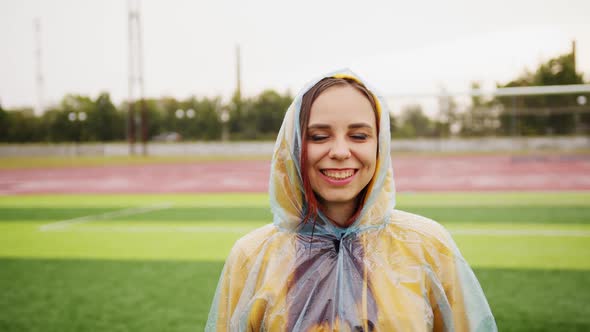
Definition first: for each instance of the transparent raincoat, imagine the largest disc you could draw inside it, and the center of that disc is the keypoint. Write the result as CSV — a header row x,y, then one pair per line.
x,y
389,271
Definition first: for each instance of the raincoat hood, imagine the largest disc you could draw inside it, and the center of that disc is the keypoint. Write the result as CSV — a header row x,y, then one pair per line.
x,y
388,271
287,196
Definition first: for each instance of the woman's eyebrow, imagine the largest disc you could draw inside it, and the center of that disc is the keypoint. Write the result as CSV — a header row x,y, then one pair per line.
x,y
359,125
350,126
319,126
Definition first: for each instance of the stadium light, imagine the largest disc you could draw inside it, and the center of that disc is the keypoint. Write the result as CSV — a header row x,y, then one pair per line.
x,y
224,116
80,116
190,113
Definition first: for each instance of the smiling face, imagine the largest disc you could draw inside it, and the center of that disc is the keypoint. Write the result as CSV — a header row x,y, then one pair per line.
x,y
341,145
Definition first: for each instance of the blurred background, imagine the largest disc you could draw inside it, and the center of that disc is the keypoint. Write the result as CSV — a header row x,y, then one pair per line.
x,y
73,70
136,137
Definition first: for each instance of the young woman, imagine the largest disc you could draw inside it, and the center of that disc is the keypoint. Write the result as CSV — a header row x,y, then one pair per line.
x,y
338,256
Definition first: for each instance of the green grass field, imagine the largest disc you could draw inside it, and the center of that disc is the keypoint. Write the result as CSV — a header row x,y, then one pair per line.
x,y
17,162
151,262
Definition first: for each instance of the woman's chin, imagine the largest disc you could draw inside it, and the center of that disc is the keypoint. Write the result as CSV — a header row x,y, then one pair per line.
x,y
338,198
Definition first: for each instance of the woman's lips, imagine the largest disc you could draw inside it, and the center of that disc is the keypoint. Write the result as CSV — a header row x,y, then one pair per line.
x,y
338,177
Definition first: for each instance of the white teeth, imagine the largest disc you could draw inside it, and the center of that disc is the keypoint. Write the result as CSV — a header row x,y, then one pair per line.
x,y
338,175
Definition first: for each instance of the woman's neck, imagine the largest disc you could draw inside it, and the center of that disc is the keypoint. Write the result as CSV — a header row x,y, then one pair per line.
x,y
339,213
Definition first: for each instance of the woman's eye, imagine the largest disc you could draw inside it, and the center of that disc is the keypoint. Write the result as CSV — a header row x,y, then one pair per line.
x,y
318,138
361,137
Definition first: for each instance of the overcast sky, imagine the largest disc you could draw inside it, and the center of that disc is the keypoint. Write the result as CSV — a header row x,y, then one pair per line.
x,y
399,46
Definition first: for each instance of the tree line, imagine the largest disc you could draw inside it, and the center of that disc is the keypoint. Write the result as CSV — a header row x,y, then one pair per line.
x,y
80,118
531,115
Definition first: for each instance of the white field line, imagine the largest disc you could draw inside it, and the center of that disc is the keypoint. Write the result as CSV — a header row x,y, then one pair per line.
x,y
62,224
521,232
158,229
245,229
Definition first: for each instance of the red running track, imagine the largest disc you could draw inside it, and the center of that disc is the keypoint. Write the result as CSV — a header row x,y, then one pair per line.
x,y
415,173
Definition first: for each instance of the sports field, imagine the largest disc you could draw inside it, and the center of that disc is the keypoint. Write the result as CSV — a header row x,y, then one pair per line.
x,y
151,262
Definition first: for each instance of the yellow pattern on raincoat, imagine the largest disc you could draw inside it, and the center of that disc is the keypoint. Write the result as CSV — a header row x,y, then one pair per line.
x,y
389,271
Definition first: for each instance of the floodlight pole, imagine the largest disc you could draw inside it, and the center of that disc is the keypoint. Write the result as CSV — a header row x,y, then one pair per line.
x,y
131,81
39,75
137,123
142,108
238,73
574,54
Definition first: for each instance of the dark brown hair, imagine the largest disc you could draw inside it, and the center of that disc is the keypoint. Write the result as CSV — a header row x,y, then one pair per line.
x,y
307,101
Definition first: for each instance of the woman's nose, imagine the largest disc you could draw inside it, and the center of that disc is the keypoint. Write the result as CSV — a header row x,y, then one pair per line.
x,y
339,150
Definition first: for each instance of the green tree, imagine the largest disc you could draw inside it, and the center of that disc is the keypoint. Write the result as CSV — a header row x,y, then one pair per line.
x,y
393,124
542,114
200,120
104,122
156,117
414,123
58,126
3,125
448,117
20,125
259,117
236,122
482,116
65,122
208,125
269,109
168,107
